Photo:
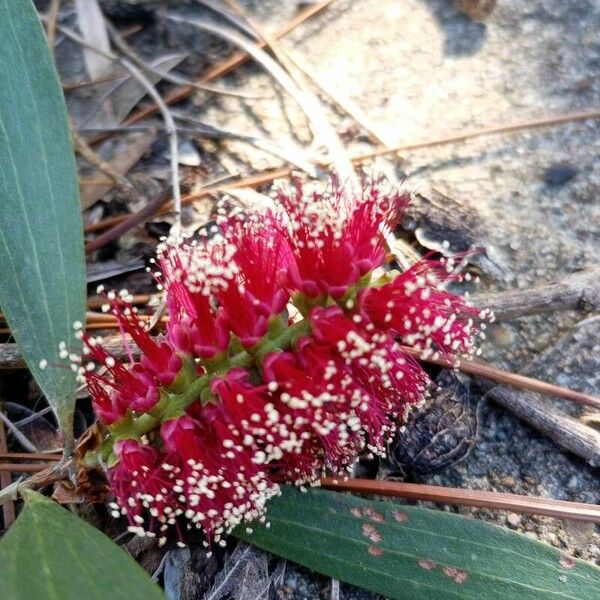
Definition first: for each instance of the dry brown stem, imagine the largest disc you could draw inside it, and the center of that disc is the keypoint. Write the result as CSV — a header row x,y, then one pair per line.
x,y
578,291
560,509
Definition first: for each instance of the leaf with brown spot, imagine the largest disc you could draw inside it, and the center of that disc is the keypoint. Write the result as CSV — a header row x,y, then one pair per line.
x,y
371,533
400,517
417,553
426,564
567,562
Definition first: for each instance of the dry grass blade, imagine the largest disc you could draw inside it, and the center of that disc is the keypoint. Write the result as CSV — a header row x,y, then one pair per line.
x,y
50,21
338,155
293,155
116,99
308,104
14,430
375,133
560,509
234,17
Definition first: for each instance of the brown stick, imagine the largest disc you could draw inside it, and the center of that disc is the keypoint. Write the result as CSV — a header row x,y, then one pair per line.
x,y
578,291
22,468
491,130
576,511
263,178
8,510
569,433
133,219
4,455
513,379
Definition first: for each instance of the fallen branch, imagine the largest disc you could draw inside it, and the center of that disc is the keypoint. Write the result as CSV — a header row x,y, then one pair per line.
x,y
569,433
578,291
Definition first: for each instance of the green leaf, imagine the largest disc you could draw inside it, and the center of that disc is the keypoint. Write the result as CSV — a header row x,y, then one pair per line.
x,y
42,288
50,554
413,553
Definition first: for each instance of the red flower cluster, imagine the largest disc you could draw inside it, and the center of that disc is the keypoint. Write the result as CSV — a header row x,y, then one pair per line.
x,y
282,360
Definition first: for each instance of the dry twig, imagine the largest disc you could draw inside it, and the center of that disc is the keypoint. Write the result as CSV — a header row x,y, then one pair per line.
x,y
560,509
577,291
569,433
8,510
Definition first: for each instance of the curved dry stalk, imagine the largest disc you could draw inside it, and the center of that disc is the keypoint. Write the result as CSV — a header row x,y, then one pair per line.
x,y
120,43
221,68
320,125
170,127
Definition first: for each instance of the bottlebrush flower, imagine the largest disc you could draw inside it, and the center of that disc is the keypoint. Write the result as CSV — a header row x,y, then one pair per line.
x,y
239,395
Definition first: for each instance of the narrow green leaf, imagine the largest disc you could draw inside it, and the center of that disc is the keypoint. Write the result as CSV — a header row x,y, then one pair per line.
x,y
50,554
42,287
413,553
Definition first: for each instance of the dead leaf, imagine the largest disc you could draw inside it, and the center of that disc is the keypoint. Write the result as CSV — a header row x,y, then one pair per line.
x,y
121,155
91,24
